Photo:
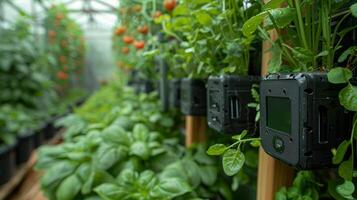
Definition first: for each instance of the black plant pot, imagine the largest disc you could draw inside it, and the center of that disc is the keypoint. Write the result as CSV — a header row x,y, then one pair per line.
x,y
7,163
143,86
39,137
49,131
25,147
175,93
164,94
193,97
228,99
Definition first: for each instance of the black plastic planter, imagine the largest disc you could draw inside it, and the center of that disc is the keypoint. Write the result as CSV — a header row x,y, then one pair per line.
x,y
163,84
49,130
228,99
7,163
25,147
302,119
39,137
175,93
143,86
146,86
164,94
193,97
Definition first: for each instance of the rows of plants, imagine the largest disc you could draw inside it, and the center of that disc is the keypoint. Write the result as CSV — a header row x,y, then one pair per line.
x,y
29,100
203,58
128,150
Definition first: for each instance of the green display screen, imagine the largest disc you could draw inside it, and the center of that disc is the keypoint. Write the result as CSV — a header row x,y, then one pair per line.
x,y
279,114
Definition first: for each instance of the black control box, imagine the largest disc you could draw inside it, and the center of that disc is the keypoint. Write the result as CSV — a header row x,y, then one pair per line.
x,y
193,97
142,86
228,99
302,119
175,93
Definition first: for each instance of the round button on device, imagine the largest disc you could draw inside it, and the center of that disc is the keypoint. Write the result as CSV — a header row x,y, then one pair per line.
x,y
278,144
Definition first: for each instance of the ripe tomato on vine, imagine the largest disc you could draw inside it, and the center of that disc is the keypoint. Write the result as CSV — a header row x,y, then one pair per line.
x,y
139,44
128,39
170,5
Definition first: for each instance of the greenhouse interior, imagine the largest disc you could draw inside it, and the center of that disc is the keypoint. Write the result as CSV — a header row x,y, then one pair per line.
x,y
178,99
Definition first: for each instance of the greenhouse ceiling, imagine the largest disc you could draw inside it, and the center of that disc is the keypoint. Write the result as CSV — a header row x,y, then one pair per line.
x,y
100,13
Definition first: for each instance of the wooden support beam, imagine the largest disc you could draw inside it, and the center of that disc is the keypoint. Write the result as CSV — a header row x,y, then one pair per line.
x,y
195,130
272,174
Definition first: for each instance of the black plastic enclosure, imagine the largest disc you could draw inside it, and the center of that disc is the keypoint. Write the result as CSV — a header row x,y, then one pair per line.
x,y
302,119
228,99
143,86
163,85
175,93
193,97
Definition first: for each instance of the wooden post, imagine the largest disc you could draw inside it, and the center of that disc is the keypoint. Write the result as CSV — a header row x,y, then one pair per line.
x,y
195,130
272,174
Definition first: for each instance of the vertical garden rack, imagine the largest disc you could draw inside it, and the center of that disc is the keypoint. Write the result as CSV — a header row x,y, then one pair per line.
x,y
272,174
195,130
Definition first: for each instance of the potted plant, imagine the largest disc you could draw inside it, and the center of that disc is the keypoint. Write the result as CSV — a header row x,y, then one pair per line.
x,y
306,53
7,156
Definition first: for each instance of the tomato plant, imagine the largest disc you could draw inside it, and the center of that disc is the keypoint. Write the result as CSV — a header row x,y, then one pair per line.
x,y
66,46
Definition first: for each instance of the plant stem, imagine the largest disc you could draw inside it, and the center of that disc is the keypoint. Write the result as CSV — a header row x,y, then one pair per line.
x,y
242,141
300,25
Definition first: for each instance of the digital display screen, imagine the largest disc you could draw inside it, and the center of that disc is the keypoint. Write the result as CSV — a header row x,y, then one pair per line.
x,y
279,114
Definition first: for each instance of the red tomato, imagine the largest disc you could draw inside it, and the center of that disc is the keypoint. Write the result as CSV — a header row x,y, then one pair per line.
x,y
157,14
59,16
143,29
128,39
139,44
52,34
125,50
120,30
137,8
170,5
62,75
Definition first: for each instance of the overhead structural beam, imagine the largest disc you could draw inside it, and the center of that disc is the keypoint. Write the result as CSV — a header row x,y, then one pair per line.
x,y
14,6
91,11
106,4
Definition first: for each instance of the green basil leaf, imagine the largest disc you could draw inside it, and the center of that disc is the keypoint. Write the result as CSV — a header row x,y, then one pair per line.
x,y
273,4
341,151
252,24
170,188
348,97
140,149
110,191
216,150
233,160
57,173
345,170
339,75
282,16
346,189
69,188
208,174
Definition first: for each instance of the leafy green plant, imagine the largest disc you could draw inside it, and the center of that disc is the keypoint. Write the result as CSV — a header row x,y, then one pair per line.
x,y
65,47
210,38
26,90
304,187
134,139
300,25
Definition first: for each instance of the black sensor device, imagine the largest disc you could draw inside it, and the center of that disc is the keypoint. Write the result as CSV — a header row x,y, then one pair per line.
x,y
228,99
302,119
175,93
193,97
